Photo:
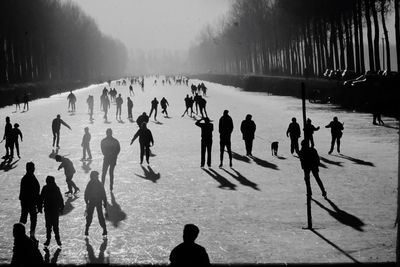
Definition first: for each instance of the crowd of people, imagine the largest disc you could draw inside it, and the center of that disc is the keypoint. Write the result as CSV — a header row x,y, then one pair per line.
x,y
50,199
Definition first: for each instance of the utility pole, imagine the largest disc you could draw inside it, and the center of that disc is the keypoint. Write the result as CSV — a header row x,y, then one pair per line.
x,y
383,52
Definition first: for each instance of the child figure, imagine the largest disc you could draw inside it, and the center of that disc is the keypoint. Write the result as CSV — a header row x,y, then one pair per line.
x,y
85,144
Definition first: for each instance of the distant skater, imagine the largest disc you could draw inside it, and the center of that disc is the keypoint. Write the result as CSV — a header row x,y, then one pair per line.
x,y
206,140
8,137
248,129
154,106
56,125
164,104
188,104
71,101
16,101
69,172
225,132
29,196
309,159
130,107
90,102
294,133
202,105
336,133
16,134
106,106
95,196
189,253
145,141
86,144
131,90
142,118
119,102
53,203
26,102
309,132
196,100
110,148
25,250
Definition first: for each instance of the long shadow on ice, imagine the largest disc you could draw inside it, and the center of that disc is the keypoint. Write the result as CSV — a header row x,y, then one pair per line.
x,y
68,207
224,183
356,161
114,212
241,179
149,174
8,165
240,157
337,163
342,216
264,163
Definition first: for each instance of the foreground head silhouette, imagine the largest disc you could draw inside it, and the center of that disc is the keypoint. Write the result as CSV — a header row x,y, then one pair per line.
x,y
25,250
189,253
30,167
109,132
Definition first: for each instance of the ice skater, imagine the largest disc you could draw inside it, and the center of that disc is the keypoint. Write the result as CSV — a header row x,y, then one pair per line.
x,y
69,172
130,107
206,140
164,104
90,102
95,196
145,140
309,130
336,133
142,118
16,101
202,106
8,137
71,101
16,134
119,102
188,104
86,145
55,126
294,133
225,132
110,148
154,106
26,102
25,250
106,106
53,203
248,129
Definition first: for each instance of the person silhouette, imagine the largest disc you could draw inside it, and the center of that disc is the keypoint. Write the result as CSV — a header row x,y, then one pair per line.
x,y
142,118
26,101
336,132
8,136
119,102
90,102
154,106
16,102
71,101
55,126
294,132
130,107
145,140
189,253
225,131
196,100
95,195
106,106
131,90
202,105
206,139
248,128
25,250
164,104
110,148
309,160
29,196
309,130
16,132
86,144
188,105
69,172
53,203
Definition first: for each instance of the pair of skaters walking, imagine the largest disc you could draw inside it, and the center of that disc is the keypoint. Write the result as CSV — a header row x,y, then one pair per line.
x,y
11,137
200,104
26,102
154,106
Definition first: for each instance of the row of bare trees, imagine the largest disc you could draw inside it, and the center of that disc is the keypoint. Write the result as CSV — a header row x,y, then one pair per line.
x,y
54,40
287,37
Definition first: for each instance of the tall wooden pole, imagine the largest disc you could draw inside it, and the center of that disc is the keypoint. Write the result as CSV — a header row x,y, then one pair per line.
x,y
303,103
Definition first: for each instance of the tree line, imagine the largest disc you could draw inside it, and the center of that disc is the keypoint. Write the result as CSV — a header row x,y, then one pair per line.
x,y
54,40
289,37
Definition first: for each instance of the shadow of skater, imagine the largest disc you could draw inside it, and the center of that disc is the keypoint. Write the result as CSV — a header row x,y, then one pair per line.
x,y
100,259
114,212
356,161
47,256
224,183
8,165
86,166
241,179
342,216
53,153
264,163
337,163
237,156
149,174
68,207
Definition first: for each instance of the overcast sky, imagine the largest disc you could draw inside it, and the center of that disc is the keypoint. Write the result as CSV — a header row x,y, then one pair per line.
x,y
153,24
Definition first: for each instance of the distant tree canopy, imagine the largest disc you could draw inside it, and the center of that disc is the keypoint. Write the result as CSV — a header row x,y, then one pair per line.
x,y
54,40
288,36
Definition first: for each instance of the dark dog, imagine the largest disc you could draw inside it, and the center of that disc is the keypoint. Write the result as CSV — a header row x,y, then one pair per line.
x,y
274,148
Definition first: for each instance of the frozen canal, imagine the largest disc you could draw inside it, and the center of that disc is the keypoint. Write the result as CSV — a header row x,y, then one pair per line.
x,y
251,213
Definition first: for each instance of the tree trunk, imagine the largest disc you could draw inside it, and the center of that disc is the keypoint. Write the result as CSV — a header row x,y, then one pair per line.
x,y
376,37
356,41
361,34
385,32
397,33
369,36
